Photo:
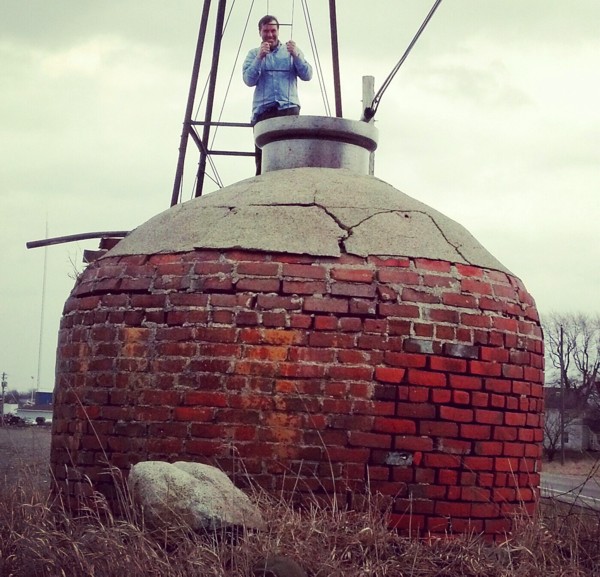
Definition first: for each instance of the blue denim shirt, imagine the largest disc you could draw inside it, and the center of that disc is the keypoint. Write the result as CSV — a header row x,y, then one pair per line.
x,y
275,78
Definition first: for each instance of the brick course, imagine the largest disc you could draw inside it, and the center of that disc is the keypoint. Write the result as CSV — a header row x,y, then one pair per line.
x,y
422,377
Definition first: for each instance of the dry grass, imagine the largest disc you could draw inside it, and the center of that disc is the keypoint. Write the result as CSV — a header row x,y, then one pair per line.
x,y
40,538
576,463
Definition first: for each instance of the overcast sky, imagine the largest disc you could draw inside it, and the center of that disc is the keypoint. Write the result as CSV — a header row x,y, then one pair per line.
x,y
493,120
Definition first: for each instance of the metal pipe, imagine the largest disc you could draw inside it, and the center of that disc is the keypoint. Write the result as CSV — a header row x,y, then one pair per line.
x,y
231,153
76,237
200,144
226,124
190,103
3,384
211,94
368,90
335,59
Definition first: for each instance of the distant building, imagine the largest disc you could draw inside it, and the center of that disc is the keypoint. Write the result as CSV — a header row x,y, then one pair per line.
x,y
44,397
581,429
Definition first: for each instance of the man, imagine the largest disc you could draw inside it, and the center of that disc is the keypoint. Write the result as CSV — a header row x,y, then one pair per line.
x,y
273,69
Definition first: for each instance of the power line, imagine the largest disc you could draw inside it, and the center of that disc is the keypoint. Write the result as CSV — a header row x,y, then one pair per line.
x,y
370,111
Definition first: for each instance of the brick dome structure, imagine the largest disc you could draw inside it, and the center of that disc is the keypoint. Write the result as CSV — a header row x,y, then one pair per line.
x,y
313,329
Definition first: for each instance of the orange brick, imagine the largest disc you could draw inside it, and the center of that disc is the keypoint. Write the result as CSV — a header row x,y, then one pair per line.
x,y
352,274
389,374
266,353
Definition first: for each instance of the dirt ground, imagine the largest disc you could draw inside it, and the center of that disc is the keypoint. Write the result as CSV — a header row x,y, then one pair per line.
x,y
25,455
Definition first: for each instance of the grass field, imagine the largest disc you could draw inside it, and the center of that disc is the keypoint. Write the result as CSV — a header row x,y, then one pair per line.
x,y
25,453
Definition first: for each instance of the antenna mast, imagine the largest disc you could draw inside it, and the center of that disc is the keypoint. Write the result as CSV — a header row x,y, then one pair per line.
x,y
189,125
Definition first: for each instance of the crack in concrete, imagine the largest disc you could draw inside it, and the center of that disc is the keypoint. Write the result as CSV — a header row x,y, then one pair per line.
x,y
349,230
454,246
377,214
359,223
268,204
335,219
409,212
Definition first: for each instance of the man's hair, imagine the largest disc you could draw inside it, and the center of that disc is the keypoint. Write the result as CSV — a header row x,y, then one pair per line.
x,y
268,19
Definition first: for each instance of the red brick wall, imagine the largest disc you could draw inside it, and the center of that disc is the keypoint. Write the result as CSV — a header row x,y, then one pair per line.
x,y
422,379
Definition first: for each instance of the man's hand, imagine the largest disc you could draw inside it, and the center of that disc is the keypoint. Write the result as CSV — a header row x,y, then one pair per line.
x,y
265,48
292,48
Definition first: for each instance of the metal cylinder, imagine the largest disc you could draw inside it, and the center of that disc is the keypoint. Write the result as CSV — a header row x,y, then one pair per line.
x,y
315,141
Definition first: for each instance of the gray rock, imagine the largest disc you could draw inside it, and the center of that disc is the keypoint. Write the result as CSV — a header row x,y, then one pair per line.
x,y
190,494
278,566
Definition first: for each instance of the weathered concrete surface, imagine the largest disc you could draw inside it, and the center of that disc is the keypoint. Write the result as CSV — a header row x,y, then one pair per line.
x,y
312,211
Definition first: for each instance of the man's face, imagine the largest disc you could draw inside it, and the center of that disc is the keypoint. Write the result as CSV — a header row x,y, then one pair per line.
x,y
270,33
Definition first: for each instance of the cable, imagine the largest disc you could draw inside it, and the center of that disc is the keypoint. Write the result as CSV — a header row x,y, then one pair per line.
x,y
370,111
315,52
319,69
233,68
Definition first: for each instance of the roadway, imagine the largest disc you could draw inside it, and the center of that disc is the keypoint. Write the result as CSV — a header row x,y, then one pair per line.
x,y
572,489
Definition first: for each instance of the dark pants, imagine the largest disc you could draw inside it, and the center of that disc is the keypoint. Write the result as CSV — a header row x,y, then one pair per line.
x,y
271,113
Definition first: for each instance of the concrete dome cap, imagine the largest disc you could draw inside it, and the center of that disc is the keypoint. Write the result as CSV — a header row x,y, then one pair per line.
x,y
311,211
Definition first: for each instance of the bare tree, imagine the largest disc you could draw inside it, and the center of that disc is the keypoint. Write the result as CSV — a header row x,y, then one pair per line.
x,y
554,431
573,350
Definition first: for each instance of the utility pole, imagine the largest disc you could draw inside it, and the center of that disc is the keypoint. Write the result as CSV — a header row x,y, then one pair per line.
x,y
561,361
4,383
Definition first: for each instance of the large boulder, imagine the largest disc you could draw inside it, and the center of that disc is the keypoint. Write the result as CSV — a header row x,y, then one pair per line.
x,y
191,494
